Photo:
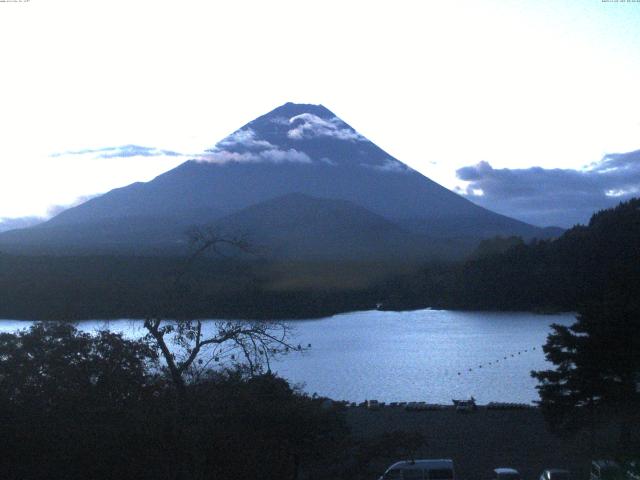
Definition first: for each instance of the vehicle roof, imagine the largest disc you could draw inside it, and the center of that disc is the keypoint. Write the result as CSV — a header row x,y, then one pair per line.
x,y
424,463
605,463
506,470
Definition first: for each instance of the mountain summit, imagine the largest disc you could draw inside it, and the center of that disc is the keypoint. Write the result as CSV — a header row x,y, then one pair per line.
x,y
295,149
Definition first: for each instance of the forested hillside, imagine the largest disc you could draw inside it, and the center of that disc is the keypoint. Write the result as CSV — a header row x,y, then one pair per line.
x,y
587,263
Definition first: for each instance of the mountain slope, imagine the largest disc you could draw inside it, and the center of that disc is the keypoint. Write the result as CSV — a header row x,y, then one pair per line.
x,y
297,226
296,148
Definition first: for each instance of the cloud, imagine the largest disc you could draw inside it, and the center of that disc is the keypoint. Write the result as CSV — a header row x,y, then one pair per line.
x,y
12,223
122,151
389,165
561,197
54,210
278,156
245,137
308,125
273,155
7,224
280,121
244,146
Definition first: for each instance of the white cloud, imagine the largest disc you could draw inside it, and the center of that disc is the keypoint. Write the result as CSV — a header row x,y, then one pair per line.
x,y
121,151
244,146
292,155
280,120
245,137
272,155
389,165
311,126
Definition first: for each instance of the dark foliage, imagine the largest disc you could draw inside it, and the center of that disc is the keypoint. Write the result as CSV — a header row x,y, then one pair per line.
x,y
597,367
586,263
68,401
75,405
54,366
496,246
58,288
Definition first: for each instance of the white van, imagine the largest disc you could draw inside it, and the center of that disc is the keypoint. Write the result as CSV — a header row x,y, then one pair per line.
x,y
606,470
505,473
420,470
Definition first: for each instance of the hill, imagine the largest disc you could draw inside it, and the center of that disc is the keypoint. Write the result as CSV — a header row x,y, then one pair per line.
x,y
588,263
295,149
595,262
299,227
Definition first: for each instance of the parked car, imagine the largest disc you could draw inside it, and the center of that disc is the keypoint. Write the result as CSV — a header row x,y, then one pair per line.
x,y
504,473
373,404
465,405
606,470
632,469
554,474
420,470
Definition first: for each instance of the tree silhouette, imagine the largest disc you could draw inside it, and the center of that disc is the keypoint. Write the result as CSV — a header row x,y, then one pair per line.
x,y
190,347
597,360
76,405
53,365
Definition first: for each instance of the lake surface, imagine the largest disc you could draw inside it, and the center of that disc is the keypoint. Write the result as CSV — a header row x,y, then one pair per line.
x,y
423,355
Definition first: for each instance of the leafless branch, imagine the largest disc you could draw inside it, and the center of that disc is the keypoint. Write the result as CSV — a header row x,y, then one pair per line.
x,y
255,342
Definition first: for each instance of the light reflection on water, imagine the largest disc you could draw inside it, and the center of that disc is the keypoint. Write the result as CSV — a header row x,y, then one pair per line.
x,y
407,356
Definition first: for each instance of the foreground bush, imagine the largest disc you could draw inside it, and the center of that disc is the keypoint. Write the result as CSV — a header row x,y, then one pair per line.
x,y
75,405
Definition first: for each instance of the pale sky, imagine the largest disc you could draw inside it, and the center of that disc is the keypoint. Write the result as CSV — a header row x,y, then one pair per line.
x,y
439,85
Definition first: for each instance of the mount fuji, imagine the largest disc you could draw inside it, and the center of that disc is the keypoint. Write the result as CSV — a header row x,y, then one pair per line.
x,y
300,182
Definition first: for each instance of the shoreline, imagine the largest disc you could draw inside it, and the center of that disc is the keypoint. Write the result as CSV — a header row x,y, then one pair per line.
x,y
329,314
420,406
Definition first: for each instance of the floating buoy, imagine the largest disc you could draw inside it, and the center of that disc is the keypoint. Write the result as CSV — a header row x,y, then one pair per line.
x,y
458,373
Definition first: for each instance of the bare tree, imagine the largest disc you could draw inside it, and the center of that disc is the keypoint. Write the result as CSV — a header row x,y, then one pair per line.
x,y
190,347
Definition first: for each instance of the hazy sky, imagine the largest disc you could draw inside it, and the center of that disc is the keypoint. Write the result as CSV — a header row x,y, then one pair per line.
x,y
442,86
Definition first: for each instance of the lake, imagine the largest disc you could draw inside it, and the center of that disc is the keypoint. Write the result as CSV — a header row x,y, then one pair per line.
x,y
422,355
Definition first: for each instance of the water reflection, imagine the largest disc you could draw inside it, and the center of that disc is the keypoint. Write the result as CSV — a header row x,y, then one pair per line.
x,y
424,355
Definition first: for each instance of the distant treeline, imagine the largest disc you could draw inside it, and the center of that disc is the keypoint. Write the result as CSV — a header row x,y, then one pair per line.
x,y
87,287
585,263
